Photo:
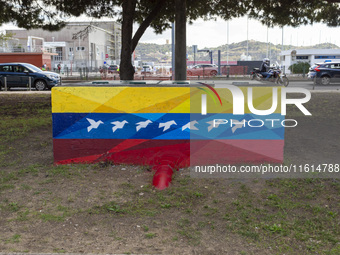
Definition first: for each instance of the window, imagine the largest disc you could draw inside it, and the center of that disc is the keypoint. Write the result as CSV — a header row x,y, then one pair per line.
x,y
58,50
81,48
325,57
71,49
335,66
301,57
20,69
6,69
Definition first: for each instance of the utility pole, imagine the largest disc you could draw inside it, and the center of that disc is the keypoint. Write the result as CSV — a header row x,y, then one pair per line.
x,y
228,42
210,55
247,36
282,53
173,50
194,49
267,55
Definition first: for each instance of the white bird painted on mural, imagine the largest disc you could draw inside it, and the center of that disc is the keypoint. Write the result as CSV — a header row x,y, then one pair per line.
x,y
167,125
94,124
190,125
118,125
238,124
213,124
143,124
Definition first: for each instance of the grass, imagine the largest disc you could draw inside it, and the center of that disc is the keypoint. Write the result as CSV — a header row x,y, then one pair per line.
x,y
287,216
145,228
14,239
23,215
51,217
9,206
284,215
13,128
150,235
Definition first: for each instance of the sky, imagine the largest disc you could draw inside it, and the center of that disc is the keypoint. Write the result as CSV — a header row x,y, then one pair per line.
x,y
214,33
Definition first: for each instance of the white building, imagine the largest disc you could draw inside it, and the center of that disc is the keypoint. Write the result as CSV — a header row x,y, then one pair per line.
x,y
78,44
311,56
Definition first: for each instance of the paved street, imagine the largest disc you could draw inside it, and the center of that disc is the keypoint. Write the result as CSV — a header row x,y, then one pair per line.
x,y
300,84
217,83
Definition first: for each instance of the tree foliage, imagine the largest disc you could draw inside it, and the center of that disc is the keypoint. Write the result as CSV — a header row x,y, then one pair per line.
x,y
50,14
159,14
5,37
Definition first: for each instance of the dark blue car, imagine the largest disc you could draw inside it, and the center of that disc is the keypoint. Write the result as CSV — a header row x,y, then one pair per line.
x,y
325,73
23,74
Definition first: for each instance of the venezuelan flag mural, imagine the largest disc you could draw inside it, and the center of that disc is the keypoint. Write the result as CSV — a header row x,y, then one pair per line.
x,y
134,125
164,126
223,137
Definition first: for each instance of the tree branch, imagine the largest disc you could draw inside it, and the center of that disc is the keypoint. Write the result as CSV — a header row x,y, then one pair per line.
x,y
145,24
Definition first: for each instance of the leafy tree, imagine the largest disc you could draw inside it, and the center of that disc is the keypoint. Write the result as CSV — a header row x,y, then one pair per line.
x,y
299,67
5,37
159,14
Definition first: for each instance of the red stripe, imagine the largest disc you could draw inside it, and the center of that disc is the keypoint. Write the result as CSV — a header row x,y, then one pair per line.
x,y
209,152
143,152
178,153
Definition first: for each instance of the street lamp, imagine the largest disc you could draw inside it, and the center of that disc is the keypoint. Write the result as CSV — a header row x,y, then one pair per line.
x,y
210,54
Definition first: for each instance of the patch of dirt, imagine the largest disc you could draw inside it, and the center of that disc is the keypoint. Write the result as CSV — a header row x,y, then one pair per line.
x,y
316,138
107,208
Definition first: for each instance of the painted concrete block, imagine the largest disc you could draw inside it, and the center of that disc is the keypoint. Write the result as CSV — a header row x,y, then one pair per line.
x,y
153,125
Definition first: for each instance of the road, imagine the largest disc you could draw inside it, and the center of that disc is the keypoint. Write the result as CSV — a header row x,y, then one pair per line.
x,y
217,84
298,84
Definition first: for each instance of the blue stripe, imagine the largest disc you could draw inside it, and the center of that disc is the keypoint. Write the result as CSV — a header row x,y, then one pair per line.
x,y
75,126
254,127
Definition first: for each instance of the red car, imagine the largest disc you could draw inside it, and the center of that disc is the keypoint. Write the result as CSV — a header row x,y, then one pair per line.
x,y
203,70
109,69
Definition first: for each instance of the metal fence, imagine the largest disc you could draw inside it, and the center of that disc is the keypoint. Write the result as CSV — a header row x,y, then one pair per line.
x,y
6,87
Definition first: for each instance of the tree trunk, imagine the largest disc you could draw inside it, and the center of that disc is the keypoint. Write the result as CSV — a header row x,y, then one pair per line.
x,y
126,68
180,41
146,23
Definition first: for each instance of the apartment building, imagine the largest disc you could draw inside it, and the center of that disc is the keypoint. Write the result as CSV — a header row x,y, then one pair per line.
x,y
78,44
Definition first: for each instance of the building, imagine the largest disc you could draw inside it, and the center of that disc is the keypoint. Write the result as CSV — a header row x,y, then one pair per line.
x,y
78,44
311,56
35,58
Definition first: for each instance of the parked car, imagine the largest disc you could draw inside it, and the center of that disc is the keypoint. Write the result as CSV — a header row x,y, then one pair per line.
x,y
147,69
18,75
203,70
325,73
113,68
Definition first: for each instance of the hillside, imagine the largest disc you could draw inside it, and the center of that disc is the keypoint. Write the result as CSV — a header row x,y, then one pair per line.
x,y
257,50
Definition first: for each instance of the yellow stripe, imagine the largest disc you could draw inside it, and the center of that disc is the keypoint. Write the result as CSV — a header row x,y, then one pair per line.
x,y
262,100
152,100
121,99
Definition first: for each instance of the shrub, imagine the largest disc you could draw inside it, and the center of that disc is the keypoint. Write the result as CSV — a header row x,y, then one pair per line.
x,y
299,67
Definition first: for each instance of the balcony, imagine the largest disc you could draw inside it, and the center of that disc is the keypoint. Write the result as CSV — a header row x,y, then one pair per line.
x,y
17,48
